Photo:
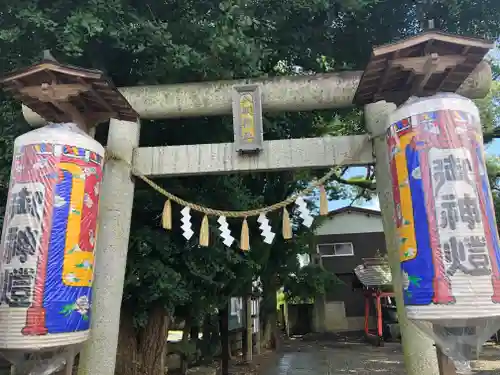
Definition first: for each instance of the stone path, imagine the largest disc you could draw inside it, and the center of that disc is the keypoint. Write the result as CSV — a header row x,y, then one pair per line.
x,y
338,359
355,358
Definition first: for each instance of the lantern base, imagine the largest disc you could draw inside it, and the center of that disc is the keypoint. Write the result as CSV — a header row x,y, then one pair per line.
x,y
460,340
35,322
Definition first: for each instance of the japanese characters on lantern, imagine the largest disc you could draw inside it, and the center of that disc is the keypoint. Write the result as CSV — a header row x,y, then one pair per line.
x,y
458,214
22,238
448,240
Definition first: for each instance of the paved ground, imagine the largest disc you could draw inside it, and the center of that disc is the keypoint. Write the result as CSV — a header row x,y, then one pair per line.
x,y
489,361
355,358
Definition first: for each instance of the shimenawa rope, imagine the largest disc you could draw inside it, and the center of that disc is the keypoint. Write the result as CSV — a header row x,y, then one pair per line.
x,y
266,230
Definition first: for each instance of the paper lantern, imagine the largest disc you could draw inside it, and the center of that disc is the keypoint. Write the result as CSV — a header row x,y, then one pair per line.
x,y
48,238
448,239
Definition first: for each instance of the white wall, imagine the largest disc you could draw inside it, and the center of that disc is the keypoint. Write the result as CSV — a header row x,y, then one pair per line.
x,y
350,222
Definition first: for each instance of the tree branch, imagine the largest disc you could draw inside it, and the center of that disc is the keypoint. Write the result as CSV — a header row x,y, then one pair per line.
x,y
359,195
365,184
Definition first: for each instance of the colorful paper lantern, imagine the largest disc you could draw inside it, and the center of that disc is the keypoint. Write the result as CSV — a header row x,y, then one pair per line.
x,y
448,240
48,239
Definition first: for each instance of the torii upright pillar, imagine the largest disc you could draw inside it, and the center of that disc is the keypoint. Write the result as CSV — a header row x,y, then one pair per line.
x,y
115,213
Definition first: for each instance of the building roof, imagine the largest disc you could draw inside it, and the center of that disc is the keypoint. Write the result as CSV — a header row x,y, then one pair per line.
x,y
349,209
88,91
421,65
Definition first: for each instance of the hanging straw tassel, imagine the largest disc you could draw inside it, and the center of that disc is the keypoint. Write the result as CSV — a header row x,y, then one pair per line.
x,y
245,238
287,225
204,232
166,217
323,201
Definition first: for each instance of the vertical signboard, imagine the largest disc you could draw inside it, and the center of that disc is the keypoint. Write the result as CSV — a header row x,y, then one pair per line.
x,y
247,118
236,314
255,314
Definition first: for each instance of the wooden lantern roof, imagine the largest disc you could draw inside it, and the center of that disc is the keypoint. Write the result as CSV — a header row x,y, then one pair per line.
x,y
65,93
422,65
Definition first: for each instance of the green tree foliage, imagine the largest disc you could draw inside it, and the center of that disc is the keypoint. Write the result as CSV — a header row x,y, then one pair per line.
x,y
150,42
309,282
495,67
489,108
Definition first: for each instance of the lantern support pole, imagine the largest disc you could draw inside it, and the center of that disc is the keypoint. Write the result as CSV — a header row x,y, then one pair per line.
x,y
419,354
445,364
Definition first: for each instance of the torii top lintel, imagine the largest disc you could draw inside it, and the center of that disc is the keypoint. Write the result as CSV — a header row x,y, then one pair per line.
x,y
422,65
59,92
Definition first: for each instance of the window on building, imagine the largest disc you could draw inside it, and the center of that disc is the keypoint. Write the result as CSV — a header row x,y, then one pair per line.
x,y
343,249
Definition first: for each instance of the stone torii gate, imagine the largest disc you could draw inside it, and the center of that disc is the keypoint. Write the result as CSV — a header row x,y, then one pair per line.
x,y
422,65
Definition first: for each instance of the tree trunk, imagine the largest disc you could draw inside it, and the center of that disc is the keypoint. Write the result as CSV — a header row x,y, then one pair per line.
x,y
195,333
270,337
185,356
127,361
153,342
210,342
205,339
266,333
186,332
224,337
142,351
